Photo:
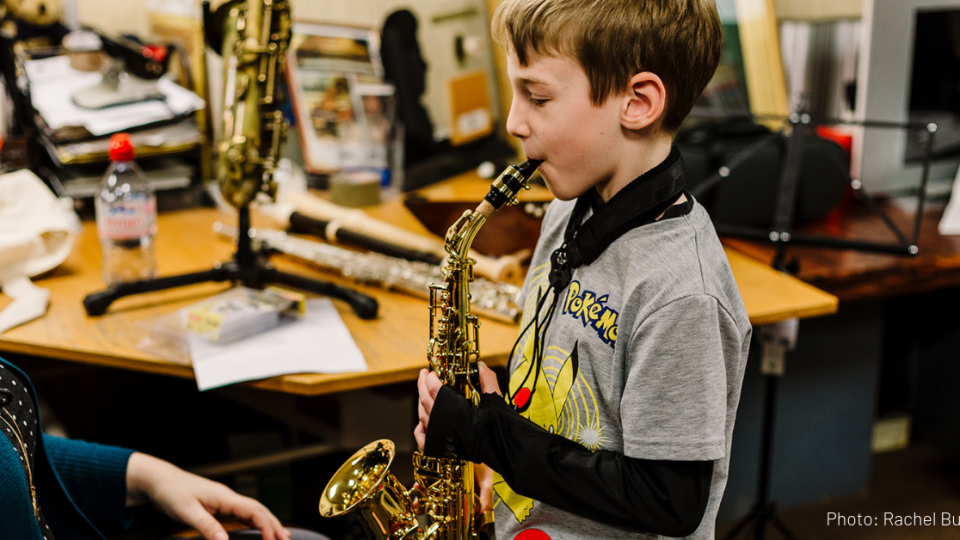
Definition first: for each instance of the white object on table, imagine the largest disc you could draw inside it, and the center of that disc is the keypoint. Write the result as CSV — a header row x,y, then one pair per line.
x,y
950,221
319,342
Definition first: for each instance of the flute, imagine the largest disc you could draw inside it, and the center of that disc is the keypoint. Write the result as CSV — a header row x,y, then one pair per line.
x,y
505,268
491,299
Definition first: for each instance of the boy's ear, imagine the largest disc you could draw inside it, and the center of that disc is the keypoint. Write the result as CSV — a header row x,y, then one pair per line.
x,y
645,101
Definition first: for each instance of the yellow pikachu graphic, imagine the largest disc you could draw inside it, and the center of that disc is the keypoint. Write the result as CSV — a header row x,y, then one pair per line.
x,y
545,410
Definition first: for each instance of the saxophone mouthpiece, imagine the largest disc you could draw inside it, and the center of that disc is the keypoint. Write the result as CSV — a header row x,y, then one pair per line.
x,y
527,167
505,188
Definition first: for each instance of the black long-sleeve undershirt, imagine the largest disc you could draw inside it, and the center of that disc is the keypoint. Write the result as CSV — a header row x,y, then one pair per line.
x,y
653,496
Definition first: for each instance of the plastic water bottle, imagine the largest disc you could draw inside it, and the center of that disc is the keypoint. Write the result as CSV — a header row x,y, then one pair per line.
x,y
126,210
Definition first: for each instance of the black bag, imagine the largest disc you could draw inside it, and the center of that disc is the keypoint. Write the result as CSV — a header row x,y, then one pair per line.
x,y
748,195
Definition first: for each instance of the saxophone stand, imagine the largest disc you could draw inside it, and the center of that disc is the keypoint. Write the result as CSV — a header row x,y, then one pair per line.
x,y
249,267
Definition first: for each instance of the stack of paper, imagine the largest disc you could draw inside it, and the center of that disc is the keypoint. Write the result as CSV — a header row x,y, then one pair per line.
x,y
53,83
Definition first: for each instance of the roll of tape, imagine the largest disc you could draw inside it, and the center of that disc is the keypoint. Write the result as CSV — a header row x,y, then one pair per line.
x,y
355,188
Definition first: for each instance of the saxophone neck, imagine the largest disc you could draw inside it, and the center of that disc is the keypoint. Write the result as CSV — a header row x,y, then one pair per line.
x,y
461,234
502,192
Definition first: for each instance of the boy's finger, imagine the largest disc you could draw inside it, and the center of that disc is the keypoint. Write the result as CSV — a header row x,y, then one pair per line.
x,y
420,434
423,414
486,495
433,384
488,380
422,385
201,520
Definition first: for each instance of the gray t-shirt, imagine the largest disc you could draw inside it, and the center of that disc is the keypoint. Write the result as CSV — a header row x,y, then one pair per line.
x,y
667,389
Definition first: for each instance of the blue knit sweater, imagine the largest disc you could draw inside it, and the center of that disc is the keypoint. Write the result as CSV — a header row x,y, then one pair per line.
x,y
79,485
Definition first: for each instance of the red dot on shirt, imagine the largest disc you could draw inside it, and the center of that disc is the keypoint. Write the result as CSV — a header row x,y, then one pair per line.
x,y
520,399
532,534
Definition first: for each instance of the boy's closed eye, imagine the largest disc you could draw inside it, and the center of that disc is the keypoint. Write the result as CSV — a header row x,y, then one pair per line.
x,y
537,102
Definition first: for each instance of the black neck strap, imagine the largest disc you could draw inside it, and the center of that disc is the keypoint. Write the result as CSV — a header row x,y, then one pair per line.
x,y
638,203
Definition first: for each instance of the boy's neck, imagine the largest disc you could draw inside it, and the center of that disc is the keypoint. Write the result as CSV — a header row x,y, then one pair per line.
x,y
638,157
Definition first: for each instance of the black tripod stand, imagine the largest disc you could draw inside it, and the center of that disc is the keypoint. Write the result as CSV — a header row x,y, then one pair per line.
x,y
249,267
765,510
781,234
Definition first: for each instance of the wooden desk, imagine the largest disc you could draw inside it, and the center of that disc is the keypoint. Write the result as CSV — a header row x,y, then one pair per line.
x,y
858,275
394,344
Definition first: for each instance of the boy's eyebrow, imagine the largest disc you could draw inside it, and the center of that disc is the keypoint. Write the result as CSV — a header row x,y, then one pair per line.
x,y
529,81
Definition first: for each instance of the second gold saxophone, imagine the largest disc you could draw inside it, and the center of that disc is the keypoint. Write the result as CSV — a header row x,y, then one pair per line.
x,y
446,491
256,34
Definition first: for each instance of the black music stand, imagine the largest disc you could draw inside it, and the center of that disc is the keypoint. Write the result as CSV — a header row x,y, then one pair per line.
x,y
249,266
781,232
764,510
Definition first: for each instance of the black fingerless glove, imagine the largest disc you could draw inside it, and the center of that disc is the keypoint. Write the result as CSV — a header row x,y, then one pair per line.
x,y
653,496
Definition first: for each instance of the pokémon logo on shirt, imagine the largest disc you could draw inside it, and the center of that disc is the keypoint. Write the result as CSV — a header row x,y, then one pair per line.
x,y
591,309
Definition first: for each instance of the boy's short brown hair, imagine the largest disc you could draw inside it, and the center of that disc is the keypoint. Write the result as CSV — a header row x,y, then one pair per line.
x,y
612,40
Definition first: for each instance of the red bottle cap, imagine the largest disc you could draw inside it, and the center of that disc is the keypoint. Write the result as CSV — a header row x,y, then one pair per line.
x,y
121,149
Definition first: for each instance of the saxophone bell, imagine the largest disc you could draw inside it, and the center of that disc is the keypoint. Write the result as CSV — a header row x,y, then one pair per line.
x,y
365,484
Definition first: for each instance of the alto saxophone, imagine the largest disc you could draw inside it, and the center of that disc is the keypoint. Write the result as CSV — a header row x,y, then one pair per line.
x,y
445,490
255,36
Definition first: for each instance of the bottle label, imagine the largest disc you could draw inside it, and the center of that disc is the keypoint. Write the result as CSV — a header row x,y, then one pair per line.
x,y
128,220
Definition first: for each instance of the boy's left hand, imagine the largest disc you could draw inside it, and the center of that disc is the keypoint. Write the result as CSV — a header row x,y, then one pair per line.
x,y
429,385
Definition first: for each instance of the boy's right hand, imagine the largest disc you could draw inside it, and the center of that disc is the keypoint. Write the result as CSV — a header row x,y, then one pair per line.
x,y
484,474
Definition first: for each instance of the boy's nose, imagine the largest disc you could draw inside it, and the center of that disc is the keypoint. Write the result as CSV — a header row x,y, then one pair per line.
x,y
516,124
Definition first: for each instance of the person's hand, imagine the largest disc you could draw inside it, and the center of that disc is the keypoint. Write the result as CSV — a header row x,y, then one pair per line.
x,y
488,380
484,477
194,500
484,474
428,385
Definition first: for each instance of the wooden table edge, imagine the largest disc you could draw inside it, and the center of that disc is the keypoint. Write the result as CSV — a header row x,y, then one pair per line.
x,y
292,384
818,310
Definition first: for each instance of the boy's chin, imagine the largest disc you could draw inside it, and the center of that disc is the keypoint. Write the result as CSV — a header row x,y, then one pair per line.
x,y
562,194
559,188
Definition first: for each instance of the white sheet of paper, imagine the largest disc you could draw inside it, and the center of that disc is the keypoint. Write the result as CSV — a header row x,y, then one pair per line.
x,y
317,343
950,221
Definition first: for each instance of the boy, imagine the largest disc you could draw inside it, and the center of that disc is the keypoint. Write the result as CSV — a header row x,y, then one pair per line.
x,y
626,377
